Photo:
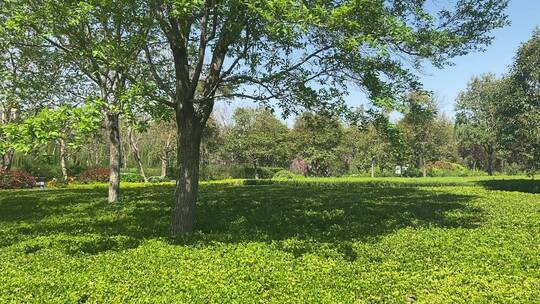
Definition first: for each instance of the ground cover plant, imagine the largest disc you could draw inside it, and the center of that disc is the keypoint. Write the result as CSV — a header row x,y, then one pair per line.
x,y
340,240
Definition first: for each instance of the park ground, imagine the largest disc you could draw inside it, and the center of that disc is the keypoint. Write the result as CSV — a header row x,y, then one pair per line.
x,y
438,240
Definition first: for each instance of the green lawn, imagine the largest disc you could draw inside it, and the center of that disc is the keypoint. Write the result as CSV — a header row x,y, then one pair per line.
x,y
310,241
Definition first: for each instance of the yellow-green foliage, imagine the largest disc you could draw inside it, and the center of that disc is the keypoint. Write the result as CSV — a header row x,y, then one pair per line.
x,y
300,241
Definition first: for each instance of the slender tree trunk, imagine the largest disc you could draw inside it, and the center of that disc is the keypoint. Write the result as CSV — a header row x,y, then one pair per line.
x,y
490,153
136,154
372,168
164,156
7,160
63,156
7,115
164,165
115,156
189,134
256,168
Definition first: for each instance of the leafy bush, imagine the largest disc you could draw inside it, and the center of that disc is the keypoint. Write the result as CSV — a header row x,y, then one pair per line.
x,y
41,167
159,179
286,174
448,169
94,175
513,169
15,179
57,184
412,172
220,172
131,177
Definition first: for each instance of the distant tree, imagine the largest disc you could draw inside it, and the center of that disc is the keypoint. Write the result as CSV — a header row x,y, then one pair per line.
x,y
476,115
212,142
520,110
365,149
257,138
316,138
417,127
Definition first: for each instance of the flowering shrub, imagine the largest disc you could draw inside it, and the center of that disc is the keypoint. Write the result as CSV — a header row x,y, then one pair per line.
x,y
16,180
94,175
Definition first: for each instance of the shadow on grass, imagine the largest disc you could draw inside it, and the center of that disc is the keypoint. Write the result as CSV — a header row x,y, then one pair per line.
x,y
518,185
81,221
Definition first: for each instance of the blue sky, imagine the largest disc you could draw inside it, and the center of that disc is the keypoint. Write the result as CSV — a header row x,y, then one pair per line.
x,y
524,16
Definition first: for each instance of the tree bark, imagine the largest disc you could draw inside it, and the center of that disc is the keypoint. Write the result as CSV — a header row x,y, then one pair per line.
x,y
63,156
137,154
7,160
115,156
189,132
164,156
256,168
164,166
490,152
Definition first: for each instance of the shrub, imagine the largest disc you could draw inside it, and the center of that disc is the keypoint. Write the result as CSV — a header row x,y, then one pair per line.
x,y
219,172
412,172
513,169
16,179
95,175
57,184
447,169
300,166
131,178
159,179
285,174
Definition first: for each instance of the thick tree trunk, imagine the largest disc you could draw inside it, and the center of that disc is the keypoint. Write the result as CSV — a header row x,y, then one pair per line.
x,y
63,156
490,153
115,156
189,132
137,155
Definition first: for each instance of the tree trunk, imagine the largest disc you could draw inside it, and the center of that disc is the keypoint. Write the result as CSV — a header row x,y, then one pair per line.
x,y
256,168
189,134
137,154
63,156
7,160
164,165
165,156
490,153
372,168
115,156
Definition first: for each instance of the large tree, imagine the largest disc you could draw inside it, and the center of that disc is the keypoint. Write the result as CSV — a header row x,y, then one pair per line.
x,y
296,54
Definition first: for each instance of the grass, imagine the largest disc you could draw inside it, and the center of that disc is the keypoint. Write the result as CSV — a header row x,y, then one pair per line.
x,y
444,240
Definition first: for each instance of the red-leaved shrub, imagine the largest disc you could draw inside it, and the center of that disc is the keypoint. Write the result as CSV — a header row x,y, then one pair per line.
x,y
300,166
94,175
15,179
